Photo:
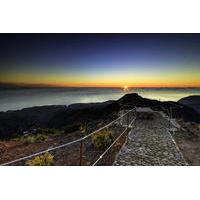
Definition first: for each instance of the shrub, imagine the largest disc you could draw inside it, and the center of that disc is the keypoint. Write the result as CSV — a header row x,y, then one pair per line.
x,y
43,160
47,131
29,139
35,138
102,139
83,129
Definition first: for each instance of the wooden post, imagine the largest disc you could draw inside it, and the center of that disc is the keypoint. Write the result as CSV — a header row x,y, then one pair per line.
x,y
81,153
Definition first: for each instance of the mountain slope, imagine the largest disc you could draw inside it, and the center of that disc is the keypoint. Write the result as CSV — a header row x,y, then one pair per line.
x,y
15,122
192,101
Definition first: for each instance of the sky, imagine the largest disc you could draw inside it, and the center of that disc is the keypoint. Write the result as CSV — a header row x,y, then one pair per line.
x,y
101,60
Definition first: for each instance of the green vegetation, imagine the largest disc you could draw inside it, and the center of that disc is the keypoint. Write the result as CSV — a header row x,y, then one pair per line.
x,y
34,138
44,160
102,139
83,129
42,134
48,131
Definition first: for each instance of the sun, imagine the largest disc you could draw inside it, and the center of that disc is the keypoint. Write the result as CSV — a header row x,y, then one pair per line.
x,y
125,88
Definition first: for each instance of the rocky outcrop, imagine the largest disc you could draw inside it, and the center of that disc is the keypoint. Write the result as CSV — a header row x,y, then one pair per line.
x,y
191,101
177,109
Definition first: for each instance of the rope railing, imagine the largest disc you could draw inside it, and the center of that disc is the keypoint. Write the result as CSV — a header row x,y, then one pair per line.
x,y
80,140
101,156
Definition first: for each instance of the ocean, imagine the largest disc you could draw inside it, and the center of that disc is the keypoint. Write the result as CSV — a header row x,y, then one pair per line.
x,y
15,99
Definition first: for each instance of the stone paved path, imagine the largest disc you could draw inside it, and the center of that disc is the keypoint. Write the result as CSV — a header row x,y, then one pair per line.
x,y
150,144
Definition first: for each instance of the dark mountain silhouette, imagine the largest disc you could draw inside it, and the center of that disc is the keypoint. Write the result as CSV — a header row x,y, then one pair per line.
x,y
15,122
191,101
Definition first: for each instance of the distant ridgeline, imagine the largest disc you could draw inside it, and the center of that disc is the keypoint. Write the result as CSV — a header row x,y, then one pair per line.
x,y
59,116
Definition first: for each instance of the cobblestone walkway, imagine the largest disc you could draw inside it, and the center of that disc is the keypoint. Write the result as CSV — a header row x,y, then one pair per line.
x,y
149,143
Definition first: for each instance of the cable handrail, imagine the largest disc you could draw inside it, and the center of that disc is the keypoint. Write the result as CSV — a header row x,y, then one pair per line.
x,y
66,144
101,156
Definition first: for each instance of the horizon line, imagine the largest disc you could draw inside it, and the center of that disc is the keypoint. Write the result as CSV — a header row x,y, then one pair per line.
x,y
41,85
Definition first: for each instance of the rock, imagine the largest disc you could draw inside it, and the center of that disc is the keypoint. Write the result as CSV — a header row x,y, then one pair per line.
x,y
165,153
192,101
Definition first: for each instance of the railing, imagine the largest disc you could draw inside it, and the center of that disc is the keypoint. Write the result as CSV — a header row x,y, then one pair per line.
x,y
82,151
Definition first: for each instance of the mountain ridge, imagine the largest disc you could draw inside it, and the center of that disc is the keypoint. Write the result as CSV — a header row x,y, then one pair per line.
x,y
58,116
